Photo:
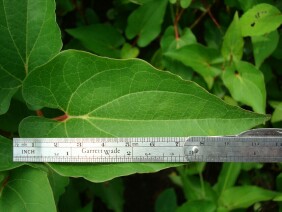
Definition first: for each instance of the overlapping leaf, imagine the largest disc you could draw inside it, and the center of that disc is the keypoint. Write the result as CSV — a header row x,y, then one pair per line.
x,y
104,97
29,37
27,189
201,59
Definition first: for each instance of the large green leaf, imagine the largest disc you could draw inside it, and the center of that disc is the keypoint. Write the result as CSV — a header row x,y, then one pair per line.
x,y
202,59
29,37
264,46
245,196
246,84
261,19
145,22
27,189
104,97
166,201
233,43
101,39
6,155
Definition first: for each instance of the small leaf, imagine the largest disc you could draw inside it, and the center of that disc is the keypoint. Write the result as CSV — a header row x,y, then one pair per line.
x,y
104,97
233,43
29,37
102,39
166,201
264,46
185,3
201,59
261,19
169,42
145,22
129,51
246,84
6,155
27,189
197,205
227,177
277,114
245,196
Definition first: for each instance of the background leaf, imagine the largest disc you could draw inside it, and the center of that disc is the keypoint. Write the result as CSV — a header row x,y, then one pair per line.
x,y
28,39
197,205
264,46
145,22
246,84
167,201
261,19
233,43
201,59
245,196
27,189
102,39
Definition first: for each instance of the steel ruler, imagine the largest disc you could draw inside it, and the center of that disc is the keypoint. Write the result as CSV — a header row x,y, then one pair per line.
x,y
259,145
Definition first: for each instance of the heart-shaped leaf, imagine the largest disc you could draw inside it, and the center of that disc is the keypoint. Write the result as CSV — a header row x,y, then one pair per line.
x,y
105,97
29,37
246,84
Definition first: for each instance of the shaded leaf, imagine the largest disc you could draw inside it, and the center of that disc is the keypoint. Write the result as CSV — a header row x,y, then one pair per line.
x,y
261,19
246,84
264,46
6,155
58,184
201,59
27,189
102,39
185,3
245,196
227,177
197,205
233,43
111,193
166,201
10,121
104,97
145,22
29,37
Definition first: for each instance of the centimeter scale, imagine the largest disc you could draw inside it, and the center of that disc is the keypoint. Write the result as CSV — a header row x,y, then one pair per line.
x,y
258,145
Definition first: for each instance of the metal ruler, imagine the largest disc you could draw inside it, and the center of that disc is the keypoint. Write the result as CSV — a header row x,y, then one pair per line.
x,y
259,145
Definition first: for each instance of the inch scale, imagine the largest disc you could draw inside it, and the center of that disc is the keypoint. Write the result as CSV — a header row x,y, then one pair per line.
x,y
259,145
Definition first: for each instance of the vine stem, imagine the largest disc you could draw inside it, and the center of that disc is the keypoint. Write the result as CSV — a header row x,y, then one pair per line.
x,y
176,20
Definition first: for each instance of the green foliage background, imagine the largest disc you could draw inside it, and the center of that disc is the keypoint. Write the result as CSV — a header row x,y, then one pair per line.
x,y
69,68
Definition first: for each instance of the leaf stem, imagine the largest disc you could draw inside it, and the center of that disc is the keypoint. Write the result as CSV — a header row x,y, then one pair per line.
x,y
6,180
61,118
39,113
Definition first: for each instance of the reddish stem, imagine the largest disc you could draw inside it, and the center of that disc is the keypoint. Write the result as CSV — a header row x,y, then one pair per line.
x,y
61,118
176,20
208,10
4,183
39,113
